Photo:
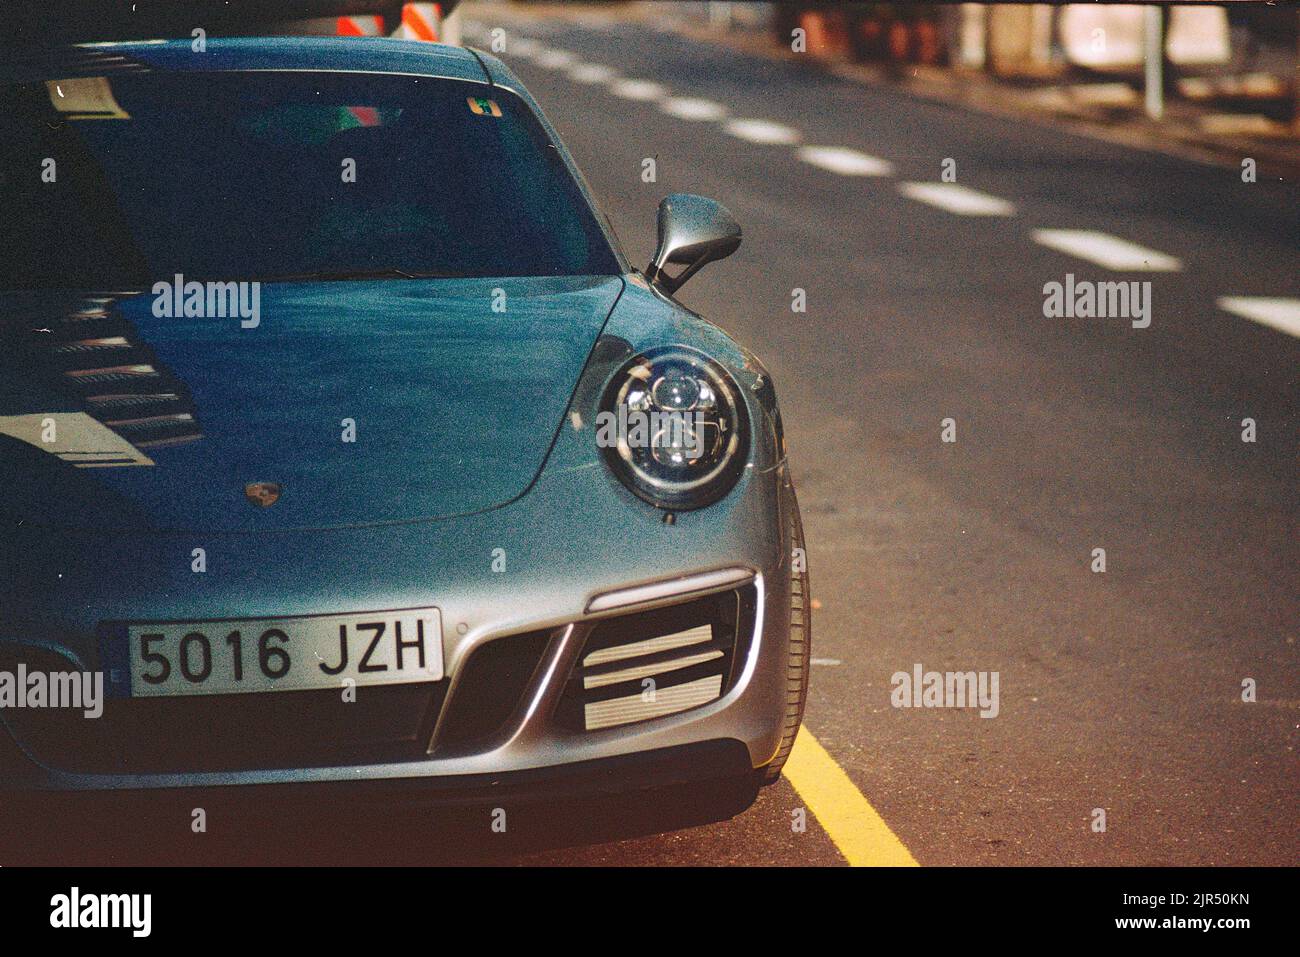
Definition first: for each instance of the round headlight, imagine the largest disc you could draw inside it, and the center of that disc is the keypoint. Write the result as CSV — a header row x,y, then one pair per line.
x,y
673,428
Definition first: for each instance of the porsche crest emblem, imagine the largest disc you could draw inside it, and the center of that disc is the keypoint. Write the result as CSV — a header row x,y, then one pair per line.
x,y
262,494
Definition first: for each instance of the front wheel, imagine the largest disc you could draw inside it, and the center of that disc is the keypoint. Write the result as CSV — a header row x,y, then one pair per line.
x,y
799,660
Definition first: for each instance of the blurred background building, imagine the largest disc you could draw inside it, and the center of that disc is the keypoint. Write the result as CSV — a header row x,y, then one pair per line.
x,y
1237,62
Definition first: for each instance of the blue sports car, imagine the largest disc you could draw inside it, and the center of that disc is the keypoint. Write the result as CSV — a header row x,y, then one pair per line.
x,y
342,446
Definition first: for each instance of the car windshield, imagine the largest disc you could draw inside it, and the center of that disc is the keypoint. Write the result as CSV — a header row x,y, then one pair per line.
x,y
282,175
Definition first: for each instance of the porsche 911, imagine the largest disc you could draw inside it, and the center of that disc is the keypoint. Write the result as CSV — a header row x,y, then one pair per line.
x,y
345,447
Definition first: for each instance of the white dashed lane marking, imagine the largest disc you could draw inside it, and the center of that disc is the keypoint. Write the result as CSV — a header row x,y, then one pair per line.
x,y
523,47
1276,313
1106,250
846,162
692,108
762,131
554,59
961,200
638,90
591,73
1282,314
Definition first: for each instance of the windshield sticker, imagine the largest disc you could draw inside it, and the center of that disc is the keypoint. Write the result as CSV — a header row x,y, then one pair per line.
x,y
483,107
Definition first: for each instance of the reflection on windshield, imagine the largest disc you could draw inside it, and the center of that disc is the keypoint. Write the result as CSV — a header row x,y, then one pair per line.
x,y
81,385
232,175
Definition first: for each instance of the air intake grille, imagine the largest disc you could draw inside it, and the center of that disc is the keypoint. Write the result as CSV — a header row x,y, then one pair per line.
x,y
655,663
490,691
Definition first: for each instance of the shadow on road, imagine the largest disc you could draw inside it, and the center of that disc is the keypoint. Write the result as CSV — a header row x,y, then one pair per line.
x,y
162,834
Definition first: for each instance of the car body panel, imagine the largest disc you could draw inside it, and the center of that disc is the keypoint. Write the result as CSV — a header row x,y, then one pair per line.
x,y
454,403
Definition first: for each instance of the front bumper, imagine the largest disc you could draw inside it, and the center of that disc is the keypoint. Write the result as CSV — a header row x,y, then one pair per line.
x,y
545,563
720,762
560,592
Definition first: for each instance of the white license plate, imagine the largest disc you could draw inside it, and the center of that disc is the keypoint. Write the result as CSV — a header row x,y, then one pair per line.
x,y
285,654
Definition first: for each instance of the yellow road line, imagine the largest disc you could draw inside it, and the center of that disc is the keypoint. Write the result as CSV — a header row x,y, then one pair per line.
x,y
861,835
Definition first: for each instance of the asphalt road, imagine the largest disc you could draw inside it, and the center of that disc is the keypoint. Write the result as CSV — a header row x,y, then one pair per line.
x,y
1119,690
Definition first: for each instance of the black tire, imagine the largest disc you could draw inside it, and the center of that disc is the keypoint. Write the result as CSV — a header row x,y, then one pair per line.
x,y
800,659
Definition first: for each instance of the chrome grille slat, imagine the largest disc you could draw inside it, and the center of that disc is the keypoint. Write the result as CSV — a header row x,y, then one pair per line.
x,y
658,662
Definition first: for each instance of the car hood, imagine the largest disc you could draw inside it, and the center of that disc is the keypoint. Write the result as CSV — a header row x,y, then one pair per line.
x,y
359,402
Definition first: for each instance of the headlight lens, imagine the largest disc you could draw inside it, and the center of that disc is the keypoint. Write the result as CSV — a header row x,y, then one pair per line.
x,y
673,428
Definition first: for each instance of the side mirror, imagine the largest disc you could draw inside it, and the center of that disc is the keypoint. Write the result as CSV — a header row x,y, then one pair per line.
x,y
693,231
